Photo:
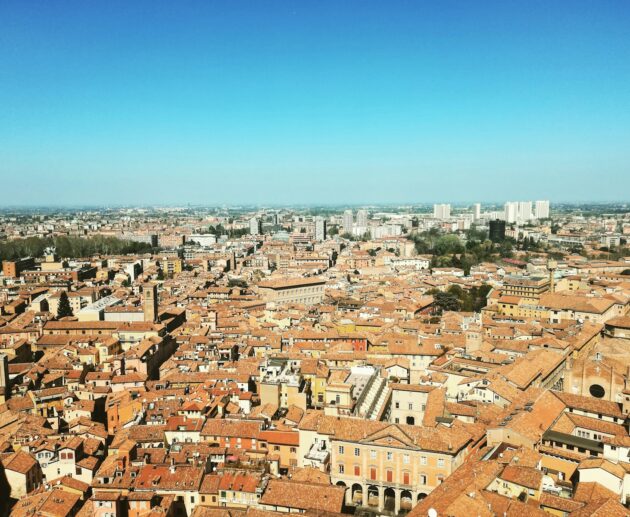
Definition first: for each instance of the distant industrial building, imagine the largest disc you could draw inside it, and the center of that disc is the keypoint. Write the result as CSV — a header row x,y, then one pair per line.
x,y
497,230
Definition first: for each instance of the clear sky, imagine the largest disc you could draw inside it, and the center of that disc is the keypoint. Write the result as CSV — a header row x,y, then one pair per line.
x,y
313,101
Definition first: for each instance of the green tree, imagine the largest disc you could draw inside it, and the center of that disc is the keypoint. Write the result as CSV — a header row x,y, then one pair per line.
x,y
448,244
64,310
446,302
237,282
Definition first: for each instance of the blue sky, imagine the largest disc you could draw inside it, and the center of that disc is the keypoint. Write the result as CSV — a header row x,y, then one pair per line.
x,y
313,101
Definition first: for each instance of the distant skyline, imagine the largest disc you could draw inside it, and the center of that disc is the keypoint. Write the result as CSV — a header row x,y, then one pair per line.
x,y
328,102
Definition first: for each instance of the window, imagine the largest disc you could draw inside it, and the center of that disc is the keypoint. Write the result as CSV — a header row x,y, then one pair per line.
x,y
357,451
341,450
390,456
597,391
397,405
373,473
406,478
390,475
406,459
423,479
440,462
341,469
423,460
373,454
293,450
410,406
357,470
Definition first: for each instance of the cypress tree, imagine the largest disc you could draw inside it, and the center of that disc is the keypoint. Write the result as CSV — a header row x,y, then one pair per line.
x,y
64,308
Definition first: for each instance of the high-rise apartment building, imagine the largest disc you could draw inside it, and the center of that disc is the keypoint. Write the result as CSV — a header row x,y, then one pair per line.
x,y
542,209
362,218
476,211
442,211
348,221
255,226
525,211
320,229
511,212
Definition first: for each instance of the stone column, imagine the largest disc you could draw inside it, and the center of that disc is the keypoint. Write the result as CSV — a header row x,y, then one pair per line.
x,y
381,498
397,494
365,496
414,499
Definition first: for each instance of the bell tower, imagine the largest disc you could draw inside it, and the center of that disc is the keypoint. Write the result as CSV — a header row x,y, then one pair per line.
x,y
150,302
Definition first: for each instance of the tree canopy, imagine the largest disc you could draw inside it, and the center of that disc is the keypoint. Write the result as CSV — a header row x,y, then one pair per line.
x,y
64,309
70,247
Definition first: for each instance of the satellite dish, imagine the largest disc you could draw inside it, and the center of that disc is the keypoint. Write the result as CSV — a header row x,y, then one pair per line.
x,y
433,512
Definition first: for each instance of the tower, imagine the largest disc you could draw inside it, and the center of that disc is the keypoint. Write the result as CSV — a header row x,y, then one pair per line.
x,y
497,230
150,302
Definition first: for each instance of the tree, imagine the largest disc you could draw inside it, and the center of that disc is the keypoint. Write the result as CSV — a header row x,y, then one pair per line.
x,y
446,302
237,282
64,309
448,244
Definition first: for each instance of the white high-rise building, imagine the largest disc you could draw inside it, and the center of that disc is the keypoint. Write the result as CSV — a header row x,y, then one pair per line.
x,y
320,229
255,226
362,218
348,220
476,211
542,209
510,211
525,211
442,211
518,211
